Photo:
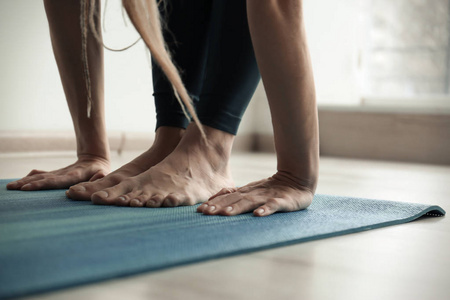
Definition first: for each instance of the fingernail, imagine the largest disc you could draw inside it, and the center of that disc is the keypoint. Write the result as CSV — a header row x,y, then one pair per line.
x,y
79,188
102,194
229,208
26,186
212,208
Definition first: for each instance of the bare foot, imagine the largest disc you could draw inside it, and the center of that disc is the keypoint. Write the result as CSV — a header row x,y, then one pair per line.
x,y
278,193
87,167
189,175
166,139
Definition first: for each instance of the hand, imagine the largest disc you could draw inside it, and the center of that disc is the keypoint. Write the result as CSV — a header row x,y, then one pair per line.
x,y
86,168
264,197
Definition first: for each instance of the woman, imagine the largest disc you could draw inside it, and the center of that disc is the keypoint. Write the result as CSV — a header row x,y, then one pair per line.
x,y
182,167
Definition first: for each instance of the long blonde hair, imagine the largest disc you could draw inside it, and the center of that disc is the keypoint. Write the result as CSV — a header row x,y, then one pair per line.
x,y
145,16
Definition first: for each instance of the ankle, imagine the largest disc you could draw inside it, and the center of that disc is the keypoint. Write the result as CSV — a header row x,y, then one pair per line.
x,y
218,141
167,138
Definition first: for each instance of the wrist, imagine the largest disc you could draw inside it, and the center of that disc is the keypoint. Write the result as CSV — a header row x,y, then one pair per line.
x,y
305,182
89,157
93,148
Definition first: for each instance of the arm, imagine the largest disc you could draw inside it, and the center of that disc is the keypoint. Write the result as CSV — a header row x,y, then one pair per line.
x,y
92,144
279,40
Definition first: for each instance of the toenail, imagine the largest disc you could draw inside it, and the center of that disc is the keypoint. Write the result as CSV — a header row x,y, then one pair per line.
x,y
151,202
135,202
102,194
229,208
212,208
79,189
260,211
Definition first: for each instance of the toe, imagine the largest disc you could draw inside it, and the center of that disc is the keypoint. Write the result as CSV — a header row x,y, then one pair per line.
x,y
127,199
139,199
155,200
101,197
109,195
174,199
136,203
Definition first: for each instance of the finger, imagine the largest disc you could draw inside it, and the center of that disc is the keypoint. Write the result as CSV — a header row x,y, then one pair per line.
x,y
202,207
54,182
244,205
223,192
35,172
18,184
271,206
217,204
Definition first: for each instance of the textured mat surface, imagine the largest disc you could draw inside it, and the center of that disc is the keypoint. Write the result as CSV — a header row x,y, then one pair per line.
x,y
48,242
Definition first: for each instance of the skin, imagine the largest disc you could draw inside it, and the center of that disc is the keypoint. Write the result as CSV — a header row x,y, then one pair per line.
x,y
277,27
92,144
190,174
166,139
93,161
193,171
189,171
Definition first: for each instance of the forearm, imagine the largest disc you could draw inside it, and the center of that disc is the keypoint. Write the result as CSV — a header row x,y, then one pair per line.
x,y
65,32
279,38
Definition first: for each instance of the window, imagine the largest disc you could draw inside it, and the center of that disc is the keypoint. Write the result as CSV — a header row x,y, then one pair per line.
x,y
405,59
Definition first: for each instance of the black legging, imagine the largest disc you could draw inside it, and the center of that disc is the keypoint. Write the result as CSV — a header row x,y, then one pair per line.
x,y
214,51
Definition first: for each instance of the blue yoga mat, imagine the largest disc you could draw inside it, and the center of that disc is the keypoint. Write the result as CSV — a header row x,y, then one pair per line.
x,y
48,242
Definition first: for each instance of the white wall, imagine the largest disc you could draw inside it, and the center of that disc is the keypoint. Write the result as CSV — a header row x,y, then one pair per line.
x,y
32,96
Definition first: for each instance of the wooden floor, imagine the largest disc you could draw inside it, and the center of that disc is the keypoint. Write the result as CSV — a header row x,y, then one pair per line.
x,y
408,261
